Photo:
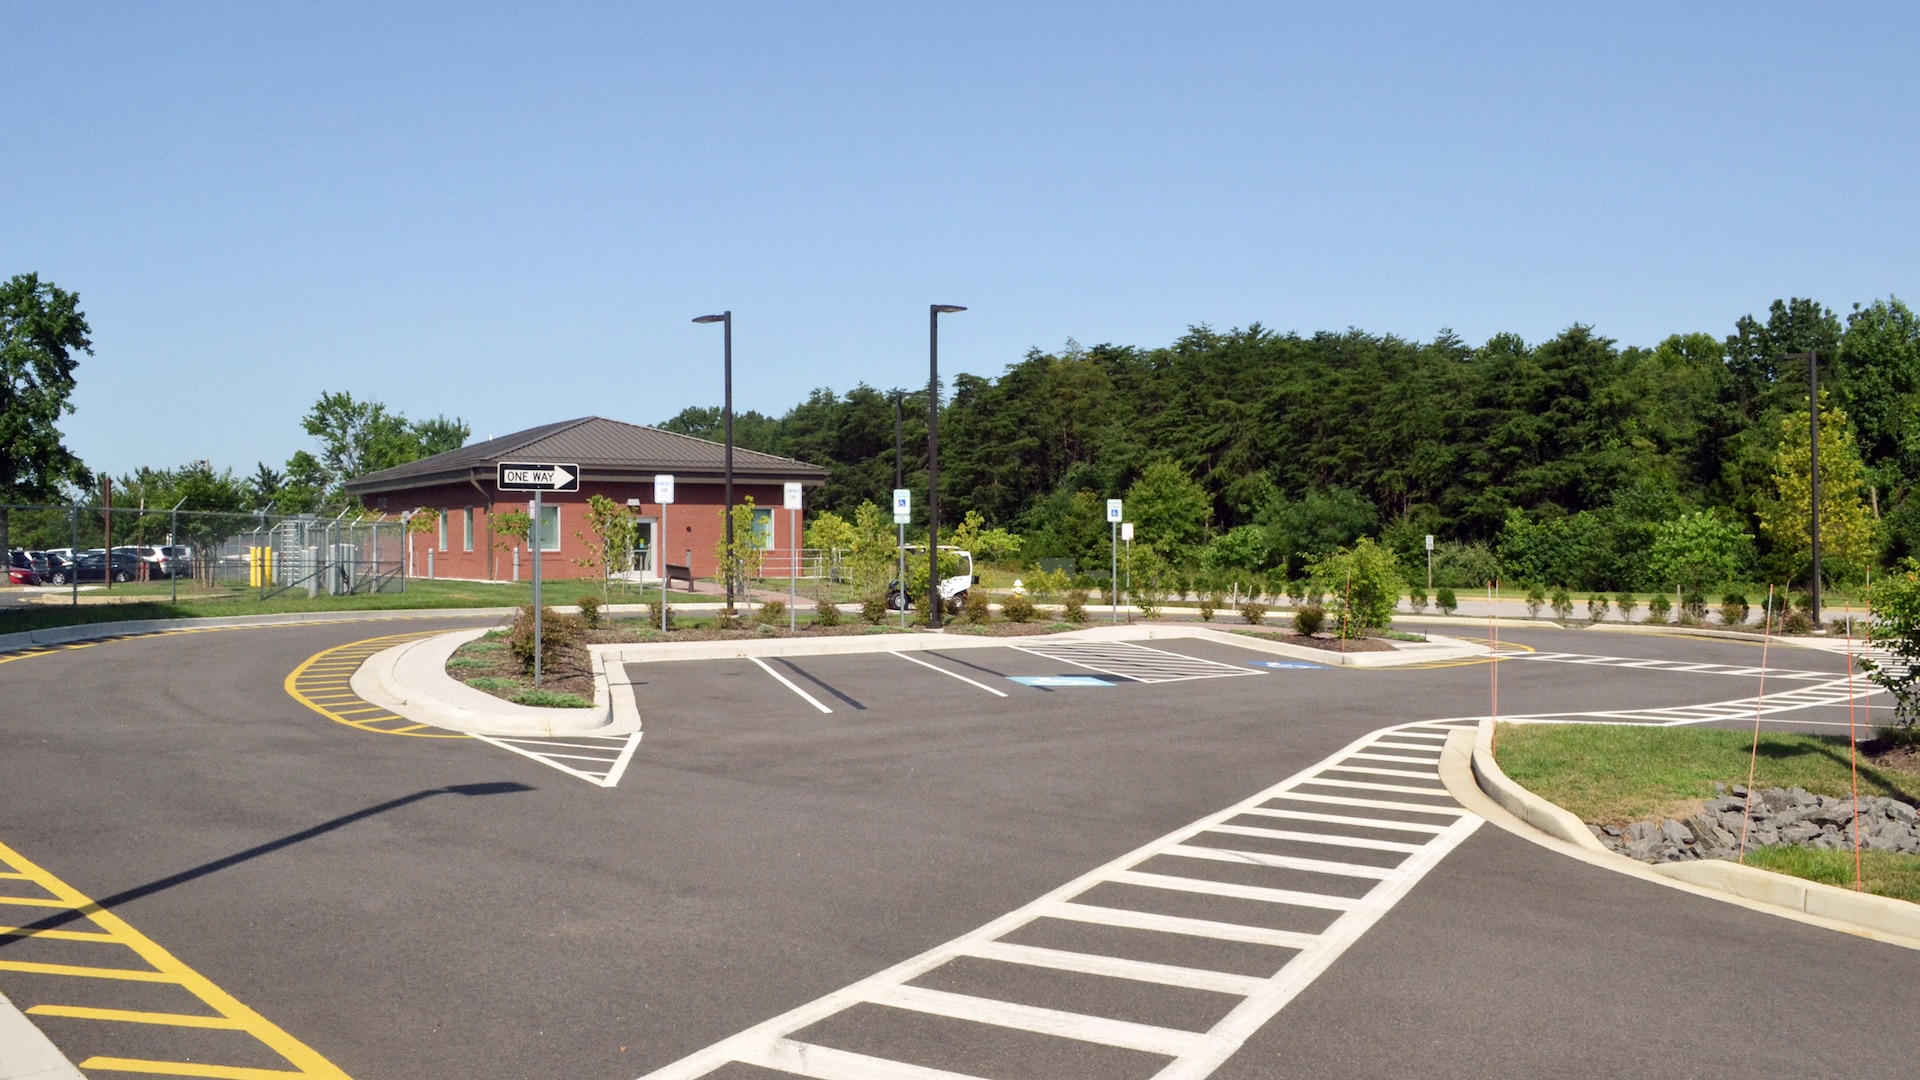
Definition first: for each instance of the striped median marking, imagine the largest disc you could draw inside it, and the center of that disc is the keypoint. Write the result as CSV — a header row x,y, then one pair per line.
x,y
324,683
98,950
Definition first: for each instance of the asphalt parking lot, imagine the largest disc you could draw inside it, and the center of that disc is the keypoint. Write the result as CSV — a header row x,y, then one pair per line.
x,y
406,907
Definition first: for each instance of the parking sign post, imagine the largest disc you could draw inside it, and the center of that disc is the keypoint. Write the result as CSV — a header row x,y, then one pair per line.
x,y
663,494
792,493
902,513
1113,582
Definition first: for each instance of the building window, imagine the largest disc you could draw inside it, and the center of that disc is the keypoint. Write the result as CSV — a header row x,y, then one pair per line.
x,y
466,531
763,527
442,518
549,532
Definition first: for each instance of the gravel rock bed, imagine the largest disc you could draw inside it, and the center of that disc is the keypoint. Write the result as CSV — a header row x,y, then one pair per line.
x,y
1780,816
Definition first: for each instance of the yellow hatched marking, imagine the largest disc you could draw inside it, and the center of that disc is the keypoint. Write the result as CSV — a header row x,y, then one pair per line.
x,y
33,901
11,876
166,968
28,967
317,685
183,1068
58,935
130,1016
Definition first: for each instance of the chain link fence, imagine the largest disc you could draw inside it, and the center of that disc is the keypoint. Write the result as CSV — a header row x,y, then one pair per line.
x,y
352,552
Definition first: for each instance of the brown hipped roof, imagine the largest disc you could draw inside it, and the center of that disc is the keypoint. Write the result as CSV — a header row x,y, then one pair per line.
x,y
605,450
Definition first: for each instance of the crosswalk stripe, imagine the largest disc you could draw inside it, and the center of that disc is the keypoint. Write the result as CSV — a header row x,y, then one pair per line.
x,y
825,1063
1176,924
1066,1025
1206,887
1113,967
1283,862
1344,819
1329,839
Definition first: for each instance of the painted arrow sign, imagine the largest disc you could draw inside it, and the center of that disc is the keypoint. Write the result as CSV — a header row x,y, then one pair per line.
x,y
538,476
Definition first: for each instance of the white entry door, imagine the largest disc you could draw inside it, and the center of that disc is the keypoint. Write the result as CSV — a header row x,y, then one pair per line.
x,y
644,537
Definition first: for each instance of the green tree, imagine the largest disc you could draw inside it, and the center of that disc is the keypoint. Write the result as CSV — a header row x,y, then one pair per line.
x,y
987,545
1895,630
1847,540
41,327
608,539
359,437
1362,584
1697,552
873,551
1169,511
739,561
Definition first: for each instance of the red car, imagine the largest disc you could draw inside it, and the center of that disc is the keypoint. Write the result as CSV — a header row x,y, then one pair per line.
x,y
20,569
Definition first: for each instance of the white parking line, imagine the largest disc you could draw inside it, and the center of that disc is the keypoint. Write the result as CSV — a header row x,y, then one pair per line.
x,y
788,683
953,674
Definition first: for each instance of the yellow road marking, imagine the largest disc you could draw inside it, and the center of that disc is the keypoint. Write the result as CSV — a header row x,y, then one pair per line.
x,y
165,968
58,935
28,967
130,1016
182,1068
323,683
32,901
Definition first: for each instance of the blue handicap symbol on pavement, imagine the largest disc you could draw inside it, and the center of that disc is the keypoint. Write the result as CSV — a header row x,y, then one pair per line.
x,y
1288,664
1060,680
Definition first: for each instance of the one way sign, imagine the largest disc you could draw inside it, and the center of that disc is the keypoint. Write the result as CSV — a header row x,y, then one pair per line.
x,y
538,476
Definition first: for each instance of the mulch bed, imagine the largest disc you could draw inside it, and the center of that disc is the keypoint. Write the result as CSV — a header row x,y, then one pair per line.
x,y
1316,641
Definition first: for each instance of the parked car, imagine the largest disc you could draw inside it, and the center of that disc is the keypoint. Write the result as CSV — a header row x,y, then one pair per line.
x,y
95,566
53,568
20,569
176,560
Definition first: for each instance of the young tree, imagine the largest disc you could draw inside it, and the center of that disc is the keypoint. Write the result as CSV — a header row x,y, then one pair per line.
x,y
1846,528
1169,510
987,545
1362,584
608,539
41,327
1697,551
1895,599
739,561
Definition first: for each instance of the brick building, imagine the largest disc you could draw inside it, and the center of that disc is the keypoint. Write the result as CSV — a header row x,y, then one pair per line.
x,y
616,460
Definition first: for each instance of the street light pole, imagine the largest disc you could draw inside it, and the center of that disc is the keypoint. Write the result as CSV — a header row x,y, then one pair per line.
x,y
934,607
725,318
899,481
1813,487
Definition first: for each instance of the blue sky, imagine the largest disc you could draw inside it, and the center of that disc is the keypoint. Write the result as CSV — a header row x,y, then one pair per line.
x,y
509,214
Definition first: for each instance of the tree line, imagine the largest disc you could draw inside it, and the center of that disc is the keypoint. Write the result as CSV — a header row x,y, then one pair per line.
x,y
1568,461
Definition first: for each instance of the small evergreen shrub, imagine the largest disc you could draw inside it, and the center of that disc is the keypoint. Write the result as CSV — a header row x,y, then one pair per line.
x,y
1733,609
1416,599
1562,603
979,606
556,631
1796,622
1659,608
1253,611
1626,602
590,611
1209,603
826,614
772,612
1075,606
874,609
1444,599
659,614
1018,608
1694,605
1536,597
1597,606
725,620
1308,619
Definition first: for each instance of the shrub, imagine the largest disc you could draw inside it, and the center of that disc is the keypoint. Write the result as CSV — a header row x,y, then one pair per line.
x,y
1733,609
1694,604
979,607
725,620
1253,611
1597,606
772,612
1626,602
590,611
1796,623
1363,585
1562,603
1536,596
1417,599
1307,620
874,609
556,632
1075,607
1444,599
656,609
1208,604
1658,608
1018,608
826,614
550,699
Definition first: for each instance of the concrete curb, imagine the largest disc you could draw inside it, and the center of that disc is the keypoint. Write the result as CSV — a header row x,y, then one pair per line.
x,y
411,679
25,1051
1474,778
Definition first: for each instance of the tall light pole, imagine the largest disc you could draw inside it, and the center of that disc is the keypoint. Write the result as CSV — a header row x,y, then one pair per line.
x,y
1813,487
934,607
725,318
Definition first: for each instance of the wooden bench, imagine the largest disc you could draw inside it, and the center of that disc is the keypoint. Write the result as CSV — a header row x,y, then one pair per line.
x,y
680,573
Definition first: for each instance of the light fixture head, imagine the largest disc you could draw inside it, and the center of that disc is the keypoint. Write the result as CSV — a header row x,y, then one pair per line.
x,y
947,309
712,318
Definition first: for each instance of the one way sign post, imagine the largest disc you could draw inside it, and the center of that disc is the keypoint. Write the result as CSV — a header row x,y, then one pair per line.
x,y
538,477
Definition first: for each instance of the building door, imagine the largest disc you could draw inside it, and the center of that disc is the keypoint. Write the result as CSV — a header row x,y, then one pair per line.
x,y
645,534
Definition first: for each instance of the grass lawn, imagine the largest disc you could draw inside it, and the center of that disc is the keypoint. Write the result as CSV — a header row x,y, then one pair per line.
x,y
1883,873
149,601
1620,773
